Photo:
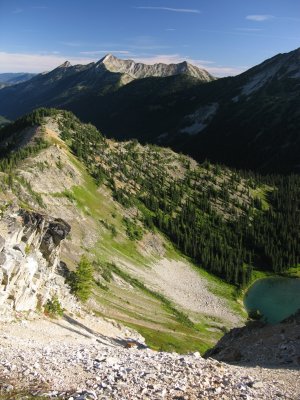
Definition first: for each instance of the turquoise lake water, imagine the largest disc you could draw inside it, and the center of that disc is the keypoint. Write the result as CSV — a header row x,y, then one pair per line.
x,y
275,298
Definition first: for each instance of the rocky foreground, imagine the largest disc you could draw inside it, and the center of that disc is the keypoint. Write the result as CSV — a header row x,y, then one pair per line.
x,y
70,359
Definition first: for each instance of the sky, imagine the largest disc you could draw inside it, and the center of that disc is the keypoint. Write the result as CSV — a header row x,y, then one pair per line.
x,y
225,37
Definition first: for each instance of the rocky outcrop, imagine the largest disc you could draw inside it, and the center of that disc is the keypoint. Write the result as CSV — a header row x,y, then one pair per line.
x,y
29,260
261,344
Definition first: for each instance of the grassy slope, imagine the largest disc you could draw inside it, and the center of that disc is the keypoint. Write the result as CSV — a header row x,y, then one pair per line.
x,y
138,307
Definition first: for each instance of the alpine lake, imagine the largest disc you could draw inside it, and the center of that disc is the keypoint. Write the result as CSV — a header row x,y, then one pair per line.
x,y
274,298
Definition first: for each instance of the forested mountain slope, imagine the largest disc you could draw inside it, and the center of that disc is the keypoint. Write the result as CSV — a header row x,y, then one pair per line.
x,y
127,203
228,222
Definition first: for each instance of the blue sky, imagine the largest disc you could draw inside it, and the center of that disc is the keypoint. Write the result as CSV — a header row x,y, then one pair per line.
x,y
225,37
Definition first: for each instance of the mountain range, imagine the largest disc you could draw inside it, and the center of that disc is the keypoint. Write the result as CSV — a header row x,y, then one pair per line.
x,y
250,121
7,79
66,84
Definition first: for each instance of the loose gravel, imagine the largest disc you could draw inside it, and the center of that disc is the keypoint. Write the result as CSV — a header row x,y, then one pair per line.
x,y
69,360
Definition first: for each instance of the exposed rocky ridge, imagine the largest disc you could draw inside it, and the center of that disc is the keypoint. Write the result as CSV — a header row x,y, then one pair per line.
x,y
133,70
279,67
66,64
30,246
140,70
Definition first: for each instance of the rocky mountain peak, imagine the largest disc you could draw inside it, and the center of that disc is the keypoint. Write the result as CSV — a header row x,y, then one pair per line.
x,y
108,58
184,63
139,70
66,64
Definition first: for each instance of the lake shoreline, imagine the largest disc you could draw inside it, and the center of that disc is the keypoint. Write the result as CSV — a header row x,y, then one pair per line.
x,y
275,298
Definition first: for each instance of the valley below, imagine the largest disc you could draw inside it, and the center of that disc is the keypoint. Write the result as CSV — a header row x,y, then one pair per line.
x,y
168,245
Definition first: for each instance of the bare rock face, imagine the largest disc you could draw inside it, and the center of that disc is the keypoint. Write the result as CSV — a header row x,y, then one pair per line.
x,y
139,70
29,260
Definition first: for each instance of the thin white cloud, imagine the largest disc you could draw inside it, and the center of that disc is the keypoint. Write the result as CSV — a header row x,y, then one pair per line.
x,y
266,17
259,17
20,62
170,29
179,10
